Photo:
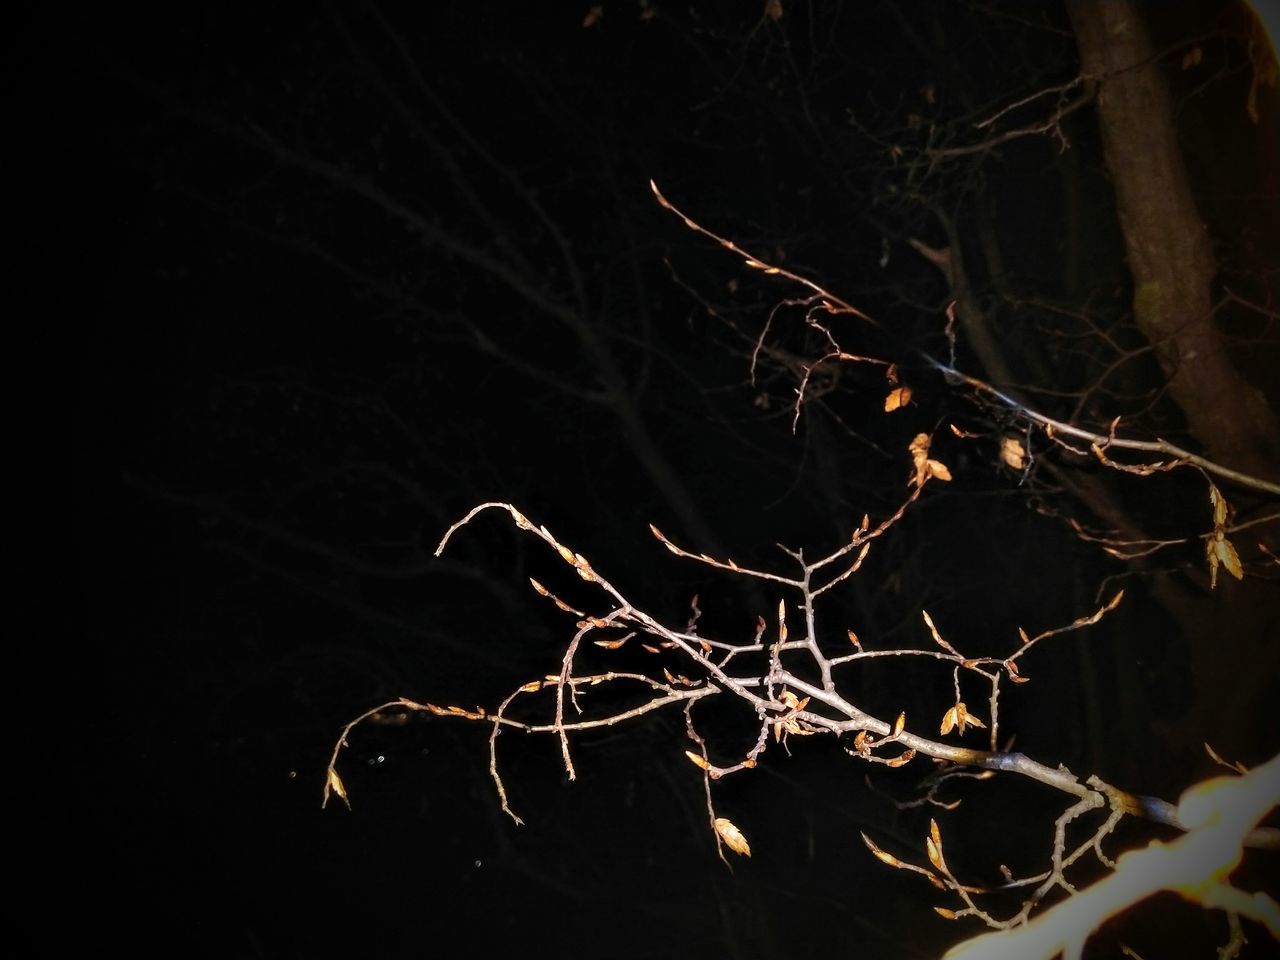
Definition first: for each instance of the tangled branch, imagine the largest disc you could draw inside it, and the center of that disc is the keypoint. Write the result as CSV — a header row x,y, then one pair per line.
x,y
789,675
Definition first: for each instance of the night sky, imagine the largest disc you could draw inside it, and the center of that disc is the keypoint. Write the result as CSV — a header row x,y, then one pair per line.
x,y
300,285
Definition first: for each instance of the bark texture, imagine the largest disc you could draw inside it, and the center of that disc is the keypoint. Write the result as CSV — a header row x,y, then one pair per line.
x,y
1168,249
1233,634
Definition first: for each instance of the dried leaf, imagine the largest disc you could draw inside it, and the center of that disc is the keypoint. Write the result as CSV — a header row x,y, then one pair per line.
x,y
732,836
938,469
897,398
1219,506
337,786
919,449
1013,453
773,9
948,721
964,718
1227,554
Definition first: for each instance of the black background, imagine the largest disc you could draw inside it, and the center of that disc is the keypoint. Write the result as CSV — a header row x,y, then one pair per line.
x,y
198,353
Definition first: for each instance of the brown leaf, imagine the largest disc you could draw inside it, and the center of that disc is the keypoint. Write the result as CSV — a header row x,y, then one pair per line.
x,y
1219,506
897,398
1013,453
948,721
773,9
938,469
337,786
965,718
732,836
1227,554
919,449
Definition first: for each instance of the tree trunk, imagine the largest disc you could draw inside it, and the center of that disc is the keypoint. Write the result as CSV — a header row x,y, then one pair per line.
x,y
1168,248
1232,634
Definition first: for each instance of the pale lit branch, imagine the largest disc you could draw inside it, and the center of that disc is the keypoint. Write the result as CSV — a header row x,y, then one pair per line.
x,y
1218,816
833,304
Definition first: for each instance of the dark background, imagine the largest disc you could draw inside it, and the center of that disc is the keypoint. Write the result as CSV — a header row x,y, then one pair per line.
x,y
269,396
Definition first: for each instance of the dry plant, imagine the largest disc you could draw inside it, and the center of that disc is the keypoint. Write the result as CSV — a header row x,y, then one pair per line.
x,y
793,672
